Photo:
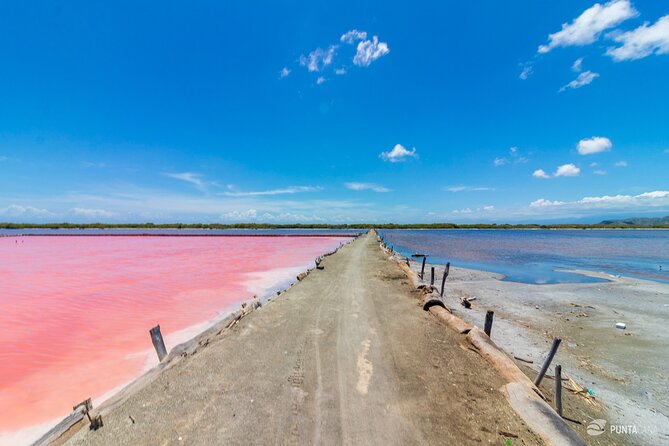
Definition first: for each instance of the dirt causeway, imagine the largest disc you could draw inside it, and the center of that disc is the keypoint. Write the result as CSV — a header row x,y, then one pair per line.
x,y
346,356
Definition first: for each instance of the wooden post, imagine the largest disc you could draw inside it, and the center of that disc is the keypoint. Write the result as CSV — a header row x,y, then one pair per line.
x,y
488,322
443,279
432,276
551,354
158,342
422,268
558,389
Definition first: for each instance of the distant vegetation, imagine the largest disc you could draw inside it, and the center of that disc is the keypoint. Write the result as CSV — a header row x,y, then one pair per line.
x,y
644,222
608,224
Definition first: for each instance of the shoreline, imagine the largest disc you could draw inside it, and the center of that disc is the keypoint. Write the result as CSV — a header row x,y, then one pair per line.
x,y
593,351
353,360
181,340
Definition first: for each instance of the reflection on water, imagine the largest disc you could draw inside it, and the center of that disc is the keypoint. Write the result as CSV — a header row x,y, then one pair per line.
x,y
532,256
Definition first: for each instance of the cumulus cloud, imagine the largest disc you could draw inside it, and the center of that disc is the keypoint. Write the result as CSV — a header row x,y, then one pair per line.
x,y
340,71
281,191
567,170
542,203
398,154
320,80
92,213
582,80
647,199
248,215
596,144
599,172
366,186
284,72
279,217
352,36
540,173
319,58
577,65
17,210
586,28
621,164
642,42
463,211
499,161
461,188
369,50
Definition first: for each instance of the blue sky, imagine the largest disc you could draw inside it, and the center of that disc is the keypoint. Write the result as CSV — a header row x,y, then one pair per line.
x,y
342,112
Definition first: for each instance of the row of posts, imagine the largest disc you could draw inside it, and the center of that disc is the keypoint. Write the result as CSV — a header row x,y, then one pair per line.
x,y
487,328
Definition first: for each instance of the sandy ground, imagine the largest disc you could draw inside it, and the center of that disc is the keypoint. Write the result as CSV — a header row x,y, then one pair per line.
x,y
346,356
626,369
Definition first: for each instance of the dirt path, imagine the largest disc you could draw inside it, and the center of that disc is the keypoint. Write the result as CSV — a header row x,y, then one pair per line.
x,y
344,357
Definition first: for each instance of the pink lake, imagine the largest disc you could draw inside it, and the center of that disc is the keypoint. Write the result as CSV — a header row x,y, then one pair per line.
x,y
75,311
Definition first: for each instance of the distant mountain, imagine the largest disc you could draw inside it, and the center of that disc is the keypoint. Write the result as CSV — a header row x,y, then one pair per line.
x,y
638,221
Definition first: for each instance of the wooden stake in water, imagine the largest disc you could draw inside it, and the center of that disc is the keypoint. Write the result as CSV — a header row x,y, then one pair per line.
x,y
158,342
551,354
488,322
432,276
422,268
443,279
558,389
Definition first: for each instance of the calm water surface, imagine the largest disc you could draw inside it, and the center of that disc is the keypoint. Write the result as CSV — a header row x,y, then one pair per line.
x,y
533,256
75,311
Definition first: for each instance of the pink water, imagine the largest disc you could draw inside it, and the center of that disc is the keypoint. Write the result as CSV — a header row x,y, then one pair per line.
x,y
75,311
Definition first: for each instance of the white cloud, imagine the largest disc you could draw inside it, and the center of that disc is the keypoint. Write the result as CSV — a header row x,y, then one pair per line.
x,y
248,215
527,71
515,157
463,211
647,199
594,164
189,177
567,170
92,213
542,203
460,188
488,208
320,80
398,154
340,71
582,80
540,173
319,58
353,35
599,172
587,27
500,161
577,65
366,186
642,42
284,72
282,191
16,210
621,164
370,50
596,144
